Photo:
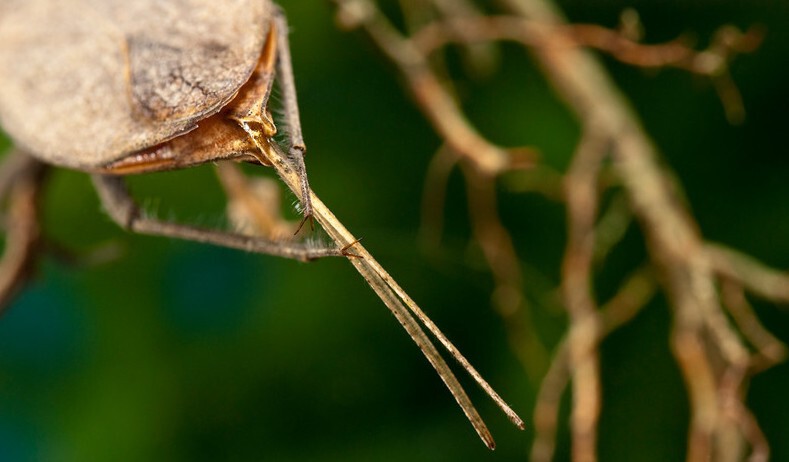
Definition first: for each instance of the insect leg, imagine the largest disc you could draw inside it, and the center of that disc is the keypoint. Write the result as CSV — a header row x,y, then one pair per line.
x,y
121,207
296,148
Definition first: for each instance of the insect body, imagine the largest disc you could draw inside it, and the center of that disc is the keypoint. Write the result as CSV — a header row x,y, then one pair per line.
x,y
95,82
114,87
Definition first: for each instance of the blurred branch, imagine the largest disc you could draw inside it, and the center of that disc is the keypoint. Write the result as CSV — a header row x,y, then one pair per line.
x,y
21,179
633,295
431,97
582,203
253,205
755,276
712,355
712,62
672,237
434,196
480,59
770,350
612,226
497,246
540,179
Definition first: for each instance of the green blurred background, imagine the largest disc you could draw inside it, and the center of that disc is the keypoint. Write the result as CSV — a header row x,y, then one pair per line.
x,y
179,351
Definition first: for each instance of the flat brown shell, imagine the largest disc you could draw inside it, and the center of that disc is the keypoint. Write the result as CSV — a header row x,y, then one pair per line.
x,y
87,82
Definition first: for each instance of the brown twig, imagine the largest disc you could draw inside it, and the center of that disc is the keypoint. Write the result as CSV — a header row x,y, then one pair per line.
x,y
712,356
540,179
674,243
21,179
676,53
634,294
546,407
770,350
254,207
582,203
712,62
733,392
498,249
434,196
432,98
480,58
752,274
612,226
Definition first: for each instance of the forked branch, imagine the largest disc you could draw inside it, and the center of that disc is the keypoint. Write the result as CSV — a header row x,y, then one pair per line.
x,y
708,344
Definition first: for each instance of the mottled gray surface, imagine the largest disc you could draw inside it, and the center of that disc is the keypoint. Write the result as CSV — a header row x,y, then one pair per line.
x,y
86,82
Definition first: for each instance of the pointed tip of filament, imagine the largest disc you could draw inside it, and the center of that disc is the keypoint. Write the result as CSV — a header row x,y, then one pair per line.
x,y
485,436
519,423
515,419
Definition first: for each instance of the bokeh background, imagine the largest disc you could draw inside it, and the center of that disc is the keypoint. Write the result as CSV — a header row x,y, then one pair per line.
x,y
180,351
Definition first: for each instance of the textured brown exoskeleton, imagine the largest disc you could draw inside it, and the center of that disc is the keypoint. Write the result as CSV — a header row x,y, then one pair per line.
x,y
116,87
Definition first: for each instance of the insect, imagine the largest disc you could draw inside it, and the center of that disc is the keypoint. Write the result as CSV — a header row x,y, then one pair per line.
x,y
115,88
